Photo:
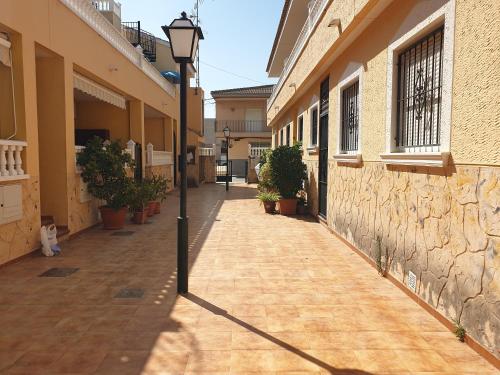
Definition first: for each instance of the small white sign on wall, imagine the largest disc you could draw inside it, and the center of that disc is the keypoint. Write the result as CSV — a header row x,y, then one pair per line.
x,y
412,281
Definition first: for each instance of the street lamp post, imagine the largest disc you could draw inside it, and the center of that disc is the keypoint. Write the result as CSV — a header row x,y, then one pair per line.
x,y
227,134
184,37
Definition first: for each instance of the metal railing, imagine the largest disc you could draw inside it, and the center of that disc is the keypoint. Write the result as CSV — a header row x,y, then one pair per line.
x,y
315,11
87,11
140,37
242,126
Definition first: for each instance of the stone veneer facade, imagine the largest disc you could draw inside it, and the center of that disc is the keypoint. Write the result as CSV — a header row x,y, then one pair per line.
x,y
441,224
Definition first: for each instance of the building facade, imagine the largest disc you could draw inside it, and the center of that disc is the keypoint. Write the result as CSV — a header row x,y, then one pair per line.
x,y
397,110
68,72
243,111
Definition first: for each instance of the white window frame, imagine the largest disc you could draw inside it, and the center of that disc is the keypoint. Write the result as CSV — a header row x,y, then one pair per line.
x,y
299,117
313,146
422,155
349,156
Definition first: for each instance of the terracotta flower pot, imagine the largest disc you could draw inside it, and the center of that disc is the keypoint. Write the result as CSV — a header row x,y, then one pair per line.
x,y
113,219
301,209
269,207
157,207
151,208
140,217
288,206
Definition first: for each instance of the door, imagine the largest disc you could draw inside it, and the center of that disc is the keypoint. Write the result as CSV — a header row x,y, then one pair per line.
x,y
323,148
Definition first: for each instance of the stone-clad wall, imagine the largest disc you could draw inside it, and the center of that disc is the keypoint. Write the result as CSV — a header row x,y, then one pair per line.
x,y
441,224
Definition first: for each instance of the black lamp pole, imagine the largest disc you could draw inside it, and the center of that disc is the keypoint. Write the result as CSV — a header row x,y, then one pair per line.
x,y
184,37
227,163
182,220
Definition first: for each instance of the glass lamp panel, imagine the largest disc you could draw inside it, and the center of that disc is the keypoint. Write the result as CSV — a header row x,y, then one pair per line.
x,y
181,41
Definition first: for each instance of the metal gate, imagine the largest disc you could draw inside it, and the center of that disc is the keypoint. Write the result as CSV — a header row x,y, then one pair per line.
x,y
224,170
323,148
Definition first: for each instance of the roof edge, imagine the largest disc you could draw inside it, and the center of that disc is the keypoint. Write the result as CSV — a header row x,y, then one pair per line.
x,y
284,13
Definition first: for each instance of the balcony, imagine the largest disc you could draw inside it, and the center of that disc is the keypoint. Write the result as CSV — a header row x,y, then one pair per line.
x,y
242,126
89,13
139,37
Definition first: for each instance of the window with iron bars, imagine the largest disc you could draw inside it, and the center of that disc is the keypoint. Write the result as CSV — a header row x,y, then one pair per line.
x,y
281,137
419,92
350,118
288,135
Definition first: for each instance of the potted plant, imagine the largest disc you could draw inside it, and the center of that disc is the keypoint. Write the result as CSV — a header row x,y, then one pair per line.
x,y
288,173
269,199
302,203
160,186
103,170
142,193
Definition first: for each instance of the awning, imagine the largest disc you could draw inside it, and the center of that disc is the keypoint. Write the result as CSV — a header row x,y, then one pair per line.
x,y
98,91
5,52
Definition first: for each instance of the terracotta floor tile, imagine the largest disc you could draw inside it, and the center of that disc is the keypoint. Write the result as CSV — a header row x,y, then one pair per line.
x,y
262,300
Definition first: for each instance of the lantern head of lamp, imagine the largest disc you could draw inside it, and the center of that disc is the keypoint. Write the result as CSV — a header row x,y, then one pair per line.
x,y
227,132
184,37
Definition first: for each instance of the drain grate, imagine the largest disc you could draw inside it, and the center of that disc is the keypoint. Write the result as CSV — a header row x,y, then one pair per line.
x,y
130,293
59,272
123,233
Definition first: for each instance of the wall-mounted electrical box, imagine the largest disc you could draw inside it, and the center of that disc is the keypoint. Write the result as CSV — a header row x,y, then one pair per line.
x,y
11,203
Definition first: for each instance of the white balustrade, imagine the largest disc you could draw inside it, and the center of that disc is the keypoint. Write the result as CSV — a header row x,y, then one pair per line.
x,y
108,6
315,10
154,158
87,11
256,151
11,163
207,151
131,148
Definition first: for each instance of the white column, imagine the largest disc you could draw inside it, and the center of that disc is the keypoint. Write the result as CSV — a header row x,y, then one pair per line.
x,y
3,160
18,160
131,147
149,154
10,161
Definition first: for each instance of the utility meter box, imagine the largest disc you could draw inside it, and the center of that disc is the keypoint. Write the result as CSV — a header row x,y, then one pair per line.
x,y
11,203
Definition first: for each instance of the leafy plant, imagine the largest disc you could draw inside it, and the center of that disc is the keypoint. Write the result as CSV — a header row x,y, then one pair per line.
x,y
265,176
159,186
268,196
381,259
288,172
142,193
459,330
103,170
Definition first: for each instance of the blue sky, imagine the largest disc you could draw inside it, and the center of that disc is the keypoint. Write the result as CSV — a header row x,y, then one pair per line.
x,y
238,37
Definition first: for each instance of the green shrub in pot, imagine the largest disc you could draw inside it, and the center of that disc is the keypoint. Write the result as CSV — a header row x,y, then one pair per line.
x,y
288,173
103,166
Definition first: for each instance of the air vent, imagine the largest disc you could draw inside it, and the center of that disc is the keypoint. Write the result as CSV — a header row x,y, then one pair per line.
x,y
412,281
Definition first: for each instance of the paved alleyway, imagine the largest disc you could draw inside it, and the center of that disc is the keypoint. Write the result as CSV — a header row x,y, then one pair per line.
x,y
269,295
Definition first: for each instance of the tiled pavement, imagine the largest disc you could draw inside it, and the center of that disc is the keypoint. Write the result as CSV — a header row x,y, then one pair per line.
x,y
269,295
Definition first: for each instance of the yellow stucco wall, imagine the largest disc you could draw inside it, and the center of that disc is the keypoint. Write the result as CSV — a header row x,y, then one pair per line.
x,y
236,109
100,115
48,29
475,136
440,223
154,133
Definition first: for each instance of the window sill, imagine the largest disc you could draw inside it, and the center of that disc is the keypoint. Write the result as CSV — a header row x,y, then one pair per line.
x,y
348,158
311,150
14,178
426,159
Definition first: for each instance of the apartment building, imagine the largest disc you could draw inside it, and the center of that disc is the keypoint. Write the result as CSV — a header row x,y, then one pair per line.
x,y
397,107
242,111
70,70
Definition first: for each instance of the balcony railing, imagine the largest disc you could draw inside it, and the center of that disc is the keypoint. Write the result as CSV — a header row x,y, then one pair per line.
x,y
108,6
87,11
154,158
315,11
11,163
255,152
207,150
242,126
140,37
